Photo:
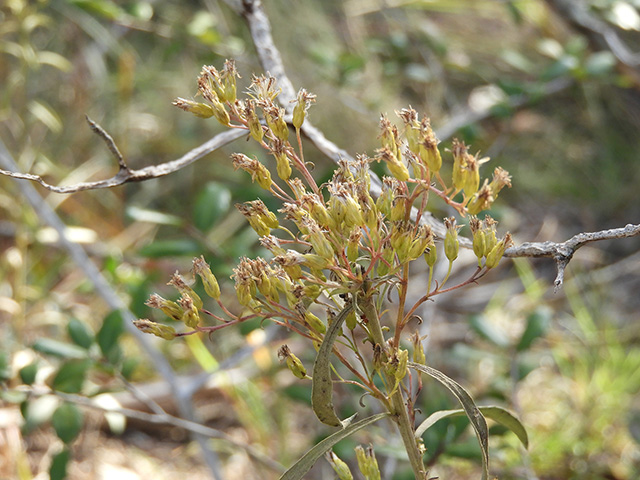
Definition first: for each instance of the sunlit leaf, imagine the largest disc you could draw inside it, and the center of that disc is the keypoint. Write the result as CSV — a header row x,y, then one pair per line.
x,y
304,464
478,422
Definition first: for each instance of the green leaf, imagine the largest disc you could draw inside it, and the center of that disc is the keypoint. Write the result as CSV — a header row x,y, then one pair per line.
x,y
537,325
304,464
478,422
480,324
58,469
49,346
67,421
211,204
71,375
170,248
322,384
28,373
111,329
80,333
501,415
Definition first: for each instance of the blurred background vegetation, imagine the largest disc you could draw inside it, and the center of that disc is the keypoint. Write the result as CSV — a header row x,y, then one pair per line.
x,y
520,81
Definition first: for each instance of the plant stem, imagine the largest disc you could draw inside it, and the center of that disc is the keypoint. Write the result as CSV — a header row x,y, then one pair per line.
x,y
398,407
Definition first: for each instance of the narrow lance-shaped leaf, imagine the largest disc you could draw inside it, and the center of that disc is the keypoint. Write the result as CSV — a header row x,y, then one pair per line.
x,y
322,385
304,464
478,422
498,414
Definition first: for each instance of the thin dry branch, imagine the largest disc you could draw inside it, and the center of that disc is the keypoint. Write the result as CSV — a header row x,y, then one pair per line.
x,y
126,174
563,252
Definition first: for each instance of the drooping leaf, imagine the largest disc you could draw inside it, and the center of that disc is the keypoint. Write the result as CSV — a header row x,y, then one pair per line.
x,y
322,385
80,333
67,421
498,414
478,422
71,375
304,464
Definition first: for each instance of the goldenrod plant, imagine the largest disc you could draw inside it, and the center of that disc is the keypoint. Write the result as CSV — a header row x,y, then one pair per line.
x,y
338,253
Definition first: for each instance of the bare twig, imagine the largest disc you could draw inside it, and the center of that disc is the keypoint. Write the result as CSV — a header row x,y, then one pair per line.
x,y
563,252
126,174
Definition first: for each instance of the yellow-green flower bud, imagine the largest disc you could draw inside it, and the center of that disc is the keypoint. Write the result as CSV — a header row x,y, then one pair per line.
x,y
283,166
340,467
431,155
201,268
418,349
496,253
400,240
471,176
201,110
314,322
490,240
479,243
185,290
386,262
159,330
316,262
170,308
367,463
451,242
481,200
403,359
354,244
500,180
431,254
398,209
255,127
293,363
191,316
259,173
275,121
460,156
353,214
395,165
422,239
